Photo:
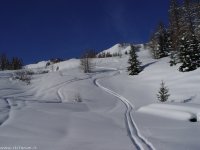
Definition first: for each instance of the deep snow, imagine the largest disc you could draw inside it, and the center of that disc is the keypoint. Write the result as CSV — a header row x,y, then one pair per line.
x,y
117,112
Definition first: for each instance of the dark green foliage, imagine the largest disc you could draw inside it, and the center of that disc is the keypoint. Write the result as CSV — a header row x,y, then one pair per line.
x,y
163,93
14,64
173,58
108,54
189,54
160,42
163,45
4,62
181,39
134,65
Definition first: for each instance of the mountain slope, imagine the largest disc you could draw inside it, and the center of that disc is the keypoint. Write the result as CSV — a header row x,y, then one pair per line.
x,y
117,112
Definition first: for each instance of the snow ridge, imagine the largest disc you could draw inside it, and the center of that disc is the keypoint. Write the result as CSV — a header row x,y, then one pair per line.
x,y
137,139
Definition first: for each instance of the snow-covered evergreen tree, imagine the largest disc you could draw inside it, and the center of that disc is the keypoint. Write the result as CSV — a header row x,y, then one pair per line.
x,y
184,32
189,53
160,42
163,93
134,64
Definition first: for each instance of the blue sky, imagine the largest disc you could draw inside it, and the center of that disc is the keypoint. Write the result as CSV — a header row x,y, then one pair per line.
x,y
42,29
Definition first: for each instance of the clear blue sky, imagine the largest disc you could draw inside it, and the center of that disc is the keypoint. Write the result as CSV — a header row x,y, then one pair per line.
x,y
42,29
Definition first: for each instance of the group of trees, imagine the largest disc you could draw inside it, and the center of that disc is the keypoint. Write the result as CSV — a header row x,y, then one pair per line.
x,y
181,40
160,43
10,64
134,68
86,63
104,55
108,54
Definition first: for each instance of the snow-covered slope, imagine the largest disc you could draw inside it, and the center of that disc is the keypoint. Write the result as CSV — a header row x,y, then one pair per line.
x,y
119,49
117,112
37,65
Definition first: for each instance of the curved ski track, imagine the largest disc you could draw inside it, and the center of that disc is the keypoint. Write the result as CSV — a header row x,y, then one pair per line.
x,y
59,93
140,142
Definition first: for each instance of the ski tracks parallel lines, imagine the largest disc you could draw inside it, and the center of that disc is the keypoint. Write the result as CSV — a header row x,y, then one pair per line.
x,y
137,139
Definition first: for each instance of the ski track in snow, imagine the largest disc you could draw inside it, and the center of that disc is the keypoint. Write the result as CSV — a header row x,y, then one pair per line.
x,y
59,91
137,139
5,111
140,142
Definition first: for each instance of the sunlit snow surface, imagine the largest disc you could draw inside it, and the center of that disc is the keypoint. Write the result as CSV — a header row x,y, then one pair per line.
x,y
117,112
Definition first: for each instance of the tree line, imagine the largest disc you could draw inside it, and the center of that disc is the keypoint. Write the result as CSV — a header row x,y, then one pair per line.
x,y
181,39
14,63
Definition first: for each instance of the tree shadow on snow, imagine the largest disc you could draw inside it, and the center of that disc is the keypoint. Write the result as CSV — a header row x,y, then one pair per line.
x,y
148,64
189,99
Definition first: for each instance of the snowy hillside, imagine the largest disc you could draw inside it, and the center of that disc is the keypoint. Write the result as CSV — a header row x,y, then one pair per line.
x,y
38,65
102,110
121,48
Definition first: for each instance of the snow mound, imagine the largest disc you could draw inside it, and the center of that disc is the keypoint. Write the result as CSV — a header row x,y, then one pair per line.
x,y
173,111
69,64
37,65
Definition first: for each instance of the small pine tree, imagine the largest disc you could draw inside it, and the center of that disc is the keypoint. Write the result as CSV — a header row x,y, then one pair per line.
x,y
163,93
134,68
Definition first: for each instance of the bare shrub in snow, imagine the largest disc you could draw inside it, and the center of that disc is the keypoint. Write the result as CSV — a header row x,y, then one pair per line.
x,y
23,75
30,72
77,97
86,63
42,72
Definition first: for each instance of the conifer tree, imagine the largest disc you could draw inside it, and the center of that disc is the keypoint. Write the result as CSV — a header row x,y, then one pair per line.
x,y
174,31
189,53
174,22
134,65
163,93
4,62
16,63
160,42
